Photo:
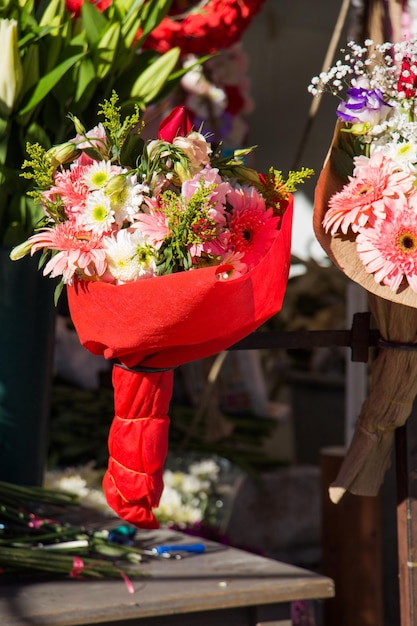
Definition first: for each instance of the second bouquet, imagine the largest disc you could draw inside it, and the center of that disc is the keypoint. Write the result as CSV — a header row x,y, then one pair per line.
x,y
169,253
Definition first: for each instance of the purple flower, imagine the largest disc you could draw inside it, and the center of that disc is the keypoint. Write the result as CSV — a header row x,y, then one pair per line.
x,y
364,106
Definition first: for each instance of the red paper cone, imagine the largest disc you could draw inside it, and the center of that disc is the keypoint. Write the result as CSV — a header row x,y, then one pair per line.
x,y
159,323
138,444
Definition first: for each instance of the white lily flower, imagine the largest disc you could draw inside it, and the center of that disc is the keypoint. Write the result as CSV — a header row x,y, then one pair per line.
x,y
11,72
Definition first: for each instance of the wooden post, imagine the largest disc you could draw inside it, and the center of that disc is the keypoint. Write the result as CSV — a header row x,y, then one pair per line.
x,y
351,545
406,464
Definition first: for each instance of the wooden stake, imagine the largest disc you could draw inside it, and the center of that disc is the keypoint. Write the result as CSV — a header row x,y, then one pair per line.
x,y
351,544
406,464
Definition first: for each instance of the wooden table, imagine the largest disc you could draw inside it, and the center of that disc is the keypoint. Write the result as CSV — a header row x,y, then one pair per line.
x,y
223,586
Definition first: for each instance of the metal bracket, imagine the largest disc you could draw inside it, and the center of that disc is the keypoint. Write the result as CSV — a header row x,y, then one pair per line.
x,y
360,338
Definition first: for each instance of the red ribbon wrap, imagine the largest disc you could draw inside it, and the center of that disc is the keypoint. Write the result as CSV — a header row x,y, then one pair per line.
x,y
164,322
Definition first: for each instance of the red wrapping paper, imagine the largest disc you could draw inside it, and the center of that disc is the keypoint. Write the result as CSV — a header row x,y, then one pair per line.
x,y
159,323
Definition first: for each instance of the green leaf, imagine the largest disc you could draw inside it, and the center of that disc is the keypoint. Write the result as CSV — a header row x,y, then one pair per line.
x,y
152,15
47,83
106,50
131,149
94,23
30,65
54,13
153,79
36,134
86,81
132,22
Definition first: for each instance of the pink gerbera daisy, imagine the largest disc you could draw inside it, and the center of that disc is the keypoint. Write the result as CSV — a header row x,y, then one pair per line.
x,y
79,251
231,266
153,224
389,250
71,186
252,227
375,183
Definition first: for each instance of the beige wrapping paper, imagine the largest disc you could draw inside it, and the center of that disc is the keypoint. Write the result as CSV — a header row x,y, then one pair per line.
x,y
393,384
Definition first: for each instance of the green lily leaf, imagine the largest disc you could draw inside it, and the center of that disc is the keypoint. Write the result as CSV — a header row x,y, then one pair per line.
x,y
152,14
106,50
54,13
151,81
30,64
46,83
86,82
94,23
132,22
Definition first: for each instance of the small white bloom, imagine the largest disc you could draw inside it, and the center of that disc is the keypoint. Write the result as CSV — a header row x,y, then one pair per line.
x,y
99,174
98,215
128,200
403,153
191,484
207,468
129,256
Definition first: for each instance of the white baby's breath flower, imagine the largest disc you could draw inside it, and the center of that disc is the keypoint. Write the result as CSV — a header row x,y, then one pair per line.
x,y
129,256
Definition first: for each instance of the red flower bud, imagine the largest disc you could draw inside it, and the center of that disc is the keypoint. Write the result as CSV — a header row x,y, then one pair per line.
x,y
176,124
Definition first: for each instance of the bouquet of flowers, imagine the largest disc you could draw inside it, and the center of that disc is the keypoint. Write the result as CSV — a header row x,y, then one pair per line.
x,y
60,54
365,214
170,253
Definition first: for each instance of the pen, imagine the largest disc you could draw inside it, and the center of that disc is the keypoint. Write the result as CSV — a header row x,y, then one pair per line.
x,y
195,548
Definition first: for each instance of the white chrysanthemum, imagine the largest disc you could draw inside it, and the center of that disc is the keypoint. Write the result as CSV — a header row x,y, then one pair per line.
x,y
193,485
84,482
207,468
99,174
98,215
73,484
173,479
172,509
128,199
129,256
403,153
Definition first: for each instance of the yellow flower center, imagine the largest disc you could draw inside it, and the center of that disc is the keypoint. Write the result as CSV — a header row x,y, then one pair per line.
x,y
365,189
99,179
99,213
404,149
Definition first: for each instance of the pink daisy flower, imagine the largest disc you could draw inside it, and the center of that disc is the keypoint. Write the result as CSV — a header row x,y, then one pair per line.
x,y
79,251
375,183
152,224
231,266
389,249
252,227
71,187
